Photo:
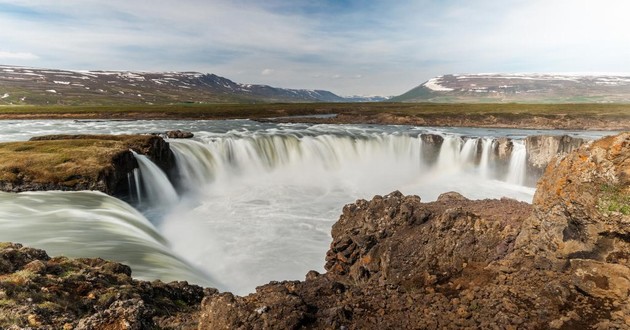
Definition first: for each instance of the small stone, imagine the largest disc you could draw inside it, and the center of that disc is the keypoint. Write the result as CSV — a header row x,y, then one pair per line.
x,y
261,310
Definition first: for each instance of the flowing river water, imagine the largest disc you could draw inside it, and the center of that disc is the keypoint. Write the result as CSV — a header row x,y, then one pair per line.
x,y
252,202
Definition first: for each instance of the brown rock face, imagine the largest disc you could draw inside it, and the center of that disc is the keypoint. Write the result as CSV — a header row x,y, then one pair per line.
x,y
541,149
582,204
396,262
37,291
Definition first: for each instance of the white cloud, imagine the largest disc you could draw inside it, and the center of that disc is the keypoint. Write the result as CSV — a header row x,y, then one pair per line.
x,y
386,47
4,55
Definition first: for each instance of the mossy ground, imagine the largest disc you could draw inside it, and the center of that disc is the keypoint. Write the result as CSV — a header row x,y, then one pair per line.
x,y
61,161
614,199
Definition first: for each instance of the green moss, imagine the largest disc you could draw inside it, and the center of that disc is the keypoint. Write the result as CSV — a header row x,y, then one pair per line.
x,y
614,199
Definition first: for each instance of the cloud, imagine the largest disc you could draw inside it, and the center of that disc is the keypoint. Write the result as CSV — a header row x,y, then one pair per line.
x,y
390,46
4,55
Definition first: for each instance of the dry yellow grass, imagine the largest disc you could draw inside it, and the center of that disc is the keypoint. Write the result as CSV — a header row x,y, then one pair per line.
x,y
62,160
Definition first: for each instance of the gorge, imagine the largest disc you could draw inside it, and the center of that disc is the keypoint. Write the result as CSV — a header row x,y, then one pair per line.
x,y
248,202
251,202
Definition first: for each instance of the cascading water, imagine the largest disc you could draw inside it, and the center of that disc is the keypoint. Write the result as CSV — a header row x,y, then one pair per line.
x,y
518,164
267,195
469,150
259,198
87,223
155,184
486,146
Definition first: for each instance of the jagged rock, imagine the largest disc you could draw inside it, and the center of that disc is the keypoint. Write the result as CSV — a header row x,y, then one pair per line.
x,y
582,204
177,134
40,292
541,149
503,148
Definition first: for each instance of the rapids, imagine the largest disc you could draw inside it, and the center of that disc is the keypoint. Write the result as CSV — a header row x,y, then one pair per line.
x,y
251,202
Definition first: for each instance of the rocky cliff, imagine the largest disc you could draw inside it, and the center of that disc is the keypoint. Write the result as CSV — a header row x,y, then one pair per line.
x,y
395,262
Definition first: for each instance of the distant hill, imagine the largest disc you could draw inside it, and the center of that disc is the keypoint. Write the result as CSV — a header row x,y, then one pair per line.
x,y
33,86
524,88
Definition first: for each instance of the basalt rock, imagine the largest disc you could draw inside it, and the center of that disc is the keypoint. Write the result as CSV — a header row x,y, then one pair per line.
x,y
541,149
175,134
431,147
39,292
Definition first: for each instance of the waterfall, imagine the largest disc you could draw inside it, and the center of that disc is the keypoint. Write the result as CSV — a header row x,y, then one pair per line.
x,y
261,197
92,224
484,164
155,184
200,163
194,161
449,156
469,150
518,164
133,183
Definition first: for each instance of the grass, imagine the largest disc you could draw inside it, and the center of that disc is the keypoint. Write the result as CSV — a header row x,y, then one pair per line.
x,y
227,111
614,199
61,161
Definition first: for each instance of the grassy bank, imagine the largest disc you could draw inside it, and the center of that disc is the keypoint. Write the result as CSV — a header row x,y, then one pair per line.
x,y
271,110
549,116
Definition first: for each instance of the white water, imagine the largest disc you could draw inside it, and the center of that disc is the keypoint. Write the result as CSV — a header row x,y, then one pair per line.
x,y
486,145
159,191
469,150
518,164
257,201
86,223
268,202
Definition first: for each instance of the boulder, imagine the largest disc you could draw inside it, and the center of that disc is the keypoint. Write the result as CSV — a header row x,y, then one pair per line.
x,y
177,134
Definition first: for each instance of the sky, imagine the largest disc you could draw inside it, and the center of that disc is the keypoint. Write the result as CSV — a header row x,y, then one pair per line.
x,y
350,47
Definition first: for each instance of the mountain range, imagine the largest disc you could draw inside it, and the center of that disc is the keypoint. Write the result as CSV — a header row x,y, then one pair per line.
x,y
522,88
34,86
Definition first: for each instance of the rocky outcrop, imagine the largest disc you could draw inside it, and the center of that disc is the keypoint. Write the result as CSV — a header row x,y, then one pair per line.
x,y
175,134
79,162
431,147
396,262
541,149
39,292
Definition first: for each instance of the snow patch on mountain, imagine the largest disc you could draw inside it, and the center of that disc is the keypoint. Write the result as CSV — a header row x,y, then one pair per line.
x,y
434,85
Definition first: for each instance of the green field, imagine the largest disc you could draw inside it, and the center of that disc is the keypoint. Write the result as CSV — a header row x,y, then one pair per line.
x,y
292,109
531,116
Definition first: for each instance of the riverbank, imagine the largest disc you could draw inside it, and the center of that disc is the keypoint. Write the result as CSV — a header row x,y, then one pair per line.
x,y
530,116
